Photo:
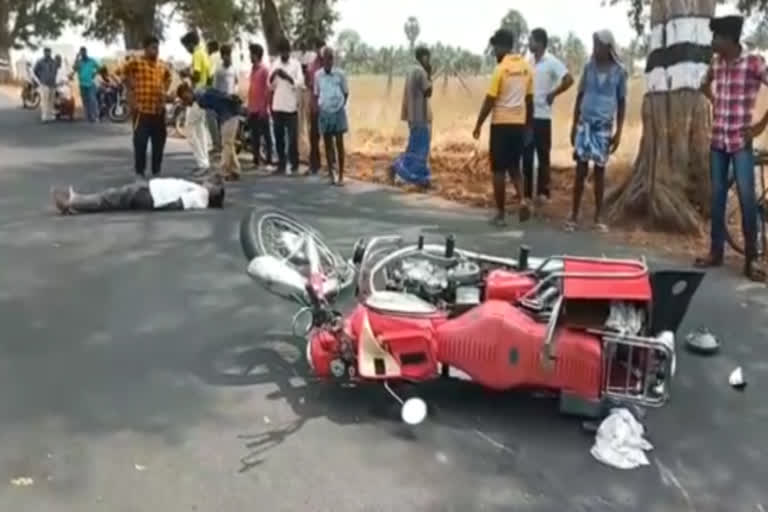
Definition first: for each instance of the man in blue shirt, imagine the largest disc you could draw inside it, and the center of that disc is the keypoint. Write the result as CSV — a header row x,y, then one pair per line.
x,y
87,68
331,91
598,119
227,107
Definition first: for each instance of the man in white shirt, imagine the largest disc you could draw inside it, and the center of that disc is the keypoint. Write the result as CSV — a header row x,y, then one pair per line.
x,y
155,194
286,81
551,79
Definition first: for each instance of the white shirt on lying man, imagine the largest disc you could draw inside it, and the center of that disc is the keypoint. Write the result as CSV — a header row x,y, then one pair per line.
x,y
165,191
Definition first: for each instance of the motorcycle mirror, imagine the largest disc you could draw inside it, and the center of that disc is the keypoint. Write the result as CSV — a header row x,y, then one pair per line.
x,y
414,411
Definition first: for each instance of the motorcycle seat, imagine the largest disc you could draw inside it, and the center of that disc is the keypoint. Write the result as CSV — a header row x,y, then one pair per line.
x,y
398,303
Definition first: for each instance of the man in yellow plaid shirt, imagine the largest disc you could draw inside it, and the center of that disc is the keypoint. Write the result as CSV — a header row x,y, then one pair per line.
x,y
148,80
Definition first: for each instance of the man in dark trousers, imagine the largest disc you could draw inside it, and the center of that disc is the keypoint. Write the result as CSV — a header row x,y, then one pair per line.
x,y
153,195
149,80
733,83
550,79
286,82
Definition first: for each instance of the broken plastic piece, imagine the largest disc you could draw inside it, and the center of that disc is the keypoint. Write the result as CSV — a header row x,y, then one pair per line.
x,y
736,380
702,341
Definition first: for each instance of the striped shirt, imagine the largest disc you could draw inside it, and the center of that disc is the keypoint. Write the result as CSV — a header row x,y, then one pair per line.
x,y
736,85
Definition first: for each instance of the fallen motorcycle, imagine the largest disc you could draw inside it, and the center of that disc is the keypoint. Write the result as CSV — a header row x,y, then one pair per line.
x,y
598,332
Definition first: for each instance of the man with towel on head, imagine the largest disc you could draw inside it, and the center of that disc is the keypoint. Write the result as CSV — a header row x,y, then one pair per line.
x,y
599,110
736,77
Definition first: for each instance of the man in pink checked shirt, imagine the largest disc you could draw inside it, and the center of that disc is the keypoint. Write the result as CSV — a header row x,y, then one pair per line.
x,y
258,107
732,84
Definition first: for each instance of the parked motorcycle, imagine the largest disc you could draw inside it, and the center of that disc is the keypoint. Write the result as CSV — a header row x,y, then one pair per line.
x,y
64,101
243,141
598,332
176,116
30,94
113,103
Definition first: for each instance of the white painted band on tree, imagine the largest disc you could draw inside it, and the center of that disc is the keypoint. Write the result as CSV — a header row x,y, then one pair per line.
x,y
686,75
694,30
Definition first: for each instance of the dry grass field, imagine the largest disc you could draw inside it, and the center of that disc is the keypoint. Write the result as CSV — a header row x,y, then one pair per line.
x,y
459,164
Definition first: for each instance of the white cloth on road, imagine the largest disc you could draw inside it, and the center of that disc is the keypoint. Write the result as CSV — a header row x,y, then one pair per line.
x,y
620,441
165,191
46,103
198,136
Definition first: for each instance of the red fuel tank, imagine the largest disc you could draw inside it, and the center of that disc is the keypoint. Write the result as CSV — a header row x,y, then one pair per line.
x,y
500,346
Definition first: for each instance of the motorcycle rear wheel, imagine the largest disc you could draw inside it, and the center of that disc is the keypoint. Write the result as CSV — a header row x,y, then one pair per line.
x,y
257,238
30,102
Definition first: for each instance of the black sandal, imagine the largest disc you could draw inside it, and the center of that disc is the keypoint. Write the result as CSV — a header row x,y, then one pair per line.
x,y
710,261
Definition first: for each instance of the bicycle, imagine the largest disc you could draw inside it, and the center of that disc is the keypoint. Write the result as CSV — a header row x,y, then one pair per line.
x,y
733,231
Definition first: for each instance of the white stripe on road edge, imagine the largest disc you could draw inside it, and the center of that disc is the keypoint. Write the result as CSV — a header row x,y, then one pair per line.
x,y
686,75
694,30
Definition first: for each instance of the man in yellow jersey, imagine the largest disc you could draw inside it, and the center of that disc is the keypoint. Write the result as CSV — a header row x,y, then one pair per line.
x,y
510,100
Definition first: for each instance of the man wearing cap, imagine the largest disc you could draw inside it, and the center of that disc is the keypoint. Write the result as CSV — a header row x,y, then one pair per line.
x,y
732,84
510,99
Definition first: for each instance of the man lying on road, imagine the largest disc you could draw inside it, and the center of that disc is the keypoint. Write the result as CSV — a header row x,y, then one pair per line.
x,y
155,194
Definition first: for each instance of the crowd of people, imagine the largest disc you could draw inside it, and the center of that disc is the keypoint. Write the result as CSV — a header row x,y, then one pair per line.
x,y
519,102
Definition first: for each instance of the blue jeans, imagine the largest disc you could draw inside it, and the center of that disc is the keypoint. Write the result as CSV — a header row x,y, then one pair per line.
x,y
744,171
90,102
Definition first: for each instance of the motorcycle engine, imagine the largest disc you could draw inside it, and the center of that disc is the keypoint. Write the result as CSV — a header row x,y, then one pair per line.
x,y
436,284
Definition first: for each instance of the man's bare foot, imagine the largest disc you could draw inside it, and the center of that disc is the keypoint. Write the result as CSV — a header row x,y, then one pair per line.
x,y
499,220
524,213
62,199
755,271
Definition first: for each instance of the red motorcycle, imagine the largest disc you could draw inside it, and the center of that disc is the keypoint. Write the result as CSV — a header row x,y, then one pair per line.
x,y
598,332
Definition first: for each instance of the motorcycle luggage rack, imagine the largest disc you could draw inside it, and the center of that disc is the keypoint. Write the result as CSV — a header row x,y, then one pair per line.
x,y
554,278
638,384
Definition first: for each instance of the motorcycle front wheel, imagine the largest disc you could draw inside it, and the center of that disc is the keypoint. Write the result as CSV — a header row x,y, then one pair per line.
x,y
119,112
261,232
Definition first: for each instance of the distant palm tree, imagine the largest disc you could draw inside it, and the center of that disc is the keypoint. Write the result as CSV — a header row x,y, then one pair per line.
x,y
412,30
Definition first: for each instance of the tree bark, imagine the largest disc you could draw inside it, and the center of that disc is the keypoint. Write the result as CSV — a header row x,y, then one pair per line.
x,y
5,41
271,25
139,23
669,187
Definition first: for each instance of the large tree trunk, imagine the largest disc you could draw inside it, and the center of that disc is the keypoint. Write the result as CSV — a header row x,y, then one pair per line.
x,y
271,25
139,22
669,186
5,43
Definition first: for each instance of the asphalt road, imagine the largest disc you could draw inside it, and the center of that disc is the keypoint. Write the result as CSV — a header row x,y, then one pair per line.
x,y
141,370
